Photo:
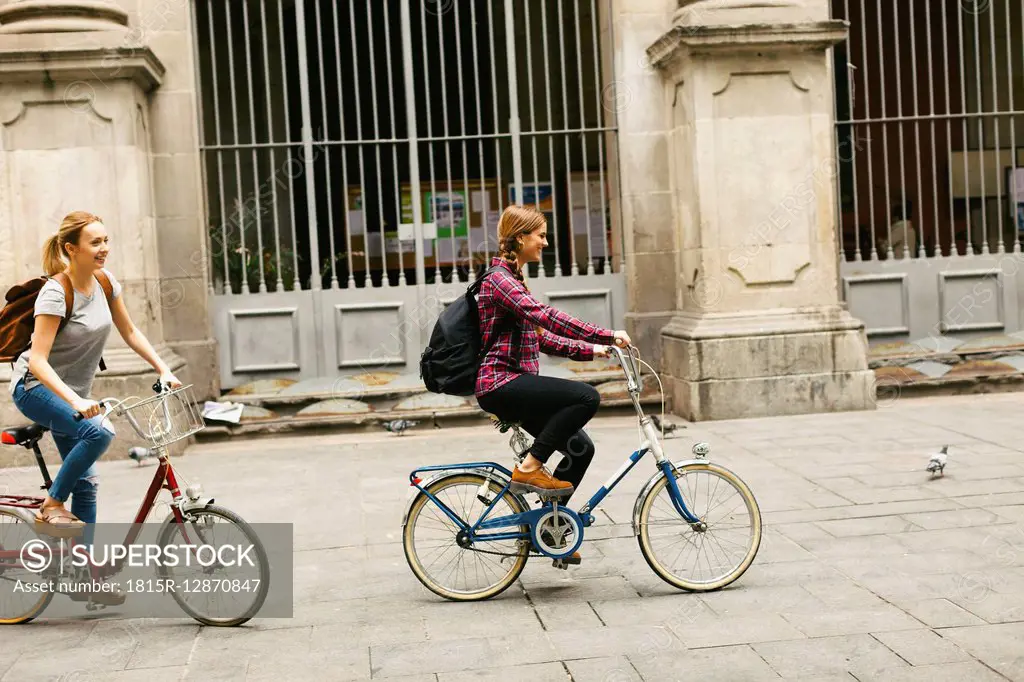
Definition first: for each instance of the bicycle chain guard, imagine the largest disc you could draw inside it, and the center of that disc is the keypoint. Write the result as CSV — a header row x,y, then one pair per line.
x,y
558,533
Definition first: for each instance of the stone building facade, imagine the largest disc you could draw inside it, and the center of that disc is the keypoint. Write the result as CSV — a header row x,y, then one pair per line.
x,y
723,116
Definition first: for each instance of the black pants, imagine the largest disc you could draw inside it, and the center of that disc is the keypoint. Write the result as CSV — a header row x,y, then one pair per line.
x,y
553,411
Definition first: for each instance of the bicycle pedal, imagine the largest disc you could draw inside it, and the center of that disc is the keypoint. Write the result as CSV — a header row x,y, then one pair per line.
x,y
565,562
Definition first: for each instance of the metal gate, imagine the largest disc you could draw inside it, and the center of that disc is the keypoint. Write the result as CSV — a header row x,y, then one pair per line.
x,y
931,181
357,156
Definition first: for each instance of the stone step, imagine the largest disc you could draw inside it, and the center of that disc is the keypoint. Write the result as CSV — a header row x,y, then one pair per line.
x,y
370,399
379,386
948,365
258,421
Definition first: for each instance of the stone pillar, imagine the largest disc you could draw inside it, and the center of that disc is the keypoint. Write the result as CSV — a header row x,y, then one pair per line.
x,y
90,119
179,209
759,328
635,95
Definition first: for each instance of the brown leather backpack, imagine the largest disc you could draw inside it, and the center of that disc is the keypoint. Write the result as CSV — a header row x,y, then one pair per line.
x,y
17,319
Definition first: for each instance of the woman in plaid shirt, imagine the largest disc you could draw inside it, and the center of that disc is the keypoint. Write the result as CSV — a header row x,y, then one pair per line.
x,y
552,410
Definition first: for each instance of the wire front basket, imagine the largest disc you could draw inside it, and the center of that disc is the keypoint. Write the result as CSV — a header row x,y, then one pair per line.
x,y
165,418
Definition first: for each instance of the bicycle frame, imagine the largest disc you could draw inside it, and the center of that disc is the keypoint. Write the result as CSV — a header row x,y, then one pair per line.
x,y
650,444
163,478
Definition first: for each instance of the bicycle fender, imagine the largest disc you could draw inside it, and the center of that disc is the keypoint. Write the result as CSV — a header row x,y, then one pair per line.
x,y
186,507
192,505
25,515
651,482
496,475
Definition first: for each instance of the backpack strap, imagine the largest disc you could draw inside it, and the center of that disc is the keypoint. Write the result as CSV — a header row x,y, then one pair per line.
x,y
475,288
69,296
108,288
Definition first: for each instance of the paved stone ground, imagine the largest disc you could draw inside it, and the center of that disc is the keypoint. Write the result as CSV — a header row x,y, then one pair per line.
x,y
868,569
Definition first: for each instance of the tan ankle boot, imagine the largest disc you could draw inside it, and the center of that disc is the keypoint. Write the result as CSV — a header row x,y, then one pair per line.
x,y
540,482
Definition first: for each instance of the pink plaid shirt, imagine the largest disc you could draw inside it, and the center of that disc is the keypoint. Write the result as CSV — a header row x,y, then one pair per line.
x,y
508,309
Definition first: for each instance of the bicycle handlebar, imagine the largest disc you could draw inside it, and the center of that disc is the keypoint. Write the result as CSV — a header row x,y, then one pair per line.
x,y
158,388
628,366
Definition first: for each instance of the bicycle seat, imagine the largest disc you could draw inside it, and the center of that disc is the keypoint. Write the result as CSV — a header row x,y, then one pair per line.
x,y
23,435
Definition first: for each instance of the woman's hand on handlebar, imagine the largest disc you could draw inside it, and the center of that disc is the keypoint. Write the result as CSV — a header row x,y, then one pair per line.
x,y
601,351
87,408
622,339
168,379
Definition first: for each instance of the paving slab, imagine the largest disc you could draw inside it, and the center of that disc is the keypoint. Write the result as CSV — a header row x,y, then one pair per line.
x,y
922,647
708,665
869,569
860,654
610,669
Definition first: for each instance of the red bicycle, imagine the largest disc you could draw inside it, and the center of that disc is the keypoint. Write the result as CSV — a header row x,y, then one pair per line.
x,y
162,420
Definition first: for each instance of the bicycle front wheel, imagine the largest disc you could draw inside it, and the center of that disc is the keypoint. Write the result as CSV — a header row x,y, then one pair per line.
x,y
708,558
440,557
217,594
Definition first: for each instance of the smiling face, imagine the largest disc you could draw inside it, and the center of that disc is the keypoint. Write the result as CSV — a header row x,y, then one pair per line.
x,y
93,246
533,244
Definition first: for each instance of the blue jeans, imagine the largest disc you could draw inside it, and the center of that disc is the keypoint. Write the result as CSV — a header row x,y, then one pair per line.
x,y
80,444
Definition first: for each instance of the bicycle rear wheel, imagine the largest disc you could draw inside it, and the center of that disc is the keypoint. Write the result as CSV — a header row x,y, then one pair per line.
x,y
450,569
217,595
691,558
24,594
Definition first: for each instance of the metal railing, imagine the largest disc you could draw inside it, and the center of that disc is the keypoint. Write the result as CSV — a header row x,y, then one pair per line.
x,y
928,99
373,144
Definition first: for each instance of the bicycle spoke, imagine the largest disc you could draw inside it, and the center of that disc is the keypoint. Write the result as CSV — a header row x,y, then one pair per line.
x,y
699,556
461,569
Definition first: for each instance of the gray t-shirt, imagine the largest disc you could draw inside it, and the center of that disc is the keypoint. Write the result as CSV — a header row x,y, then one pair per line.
x,y
76,351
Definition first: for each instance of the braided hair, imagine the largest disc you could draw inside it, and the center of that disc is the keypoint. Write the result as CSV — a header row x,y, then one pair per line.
x,y
517,221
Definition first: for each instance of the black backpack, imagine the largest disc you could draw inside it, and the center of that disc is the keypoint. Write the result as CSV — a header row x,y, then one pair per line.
x,y
452,357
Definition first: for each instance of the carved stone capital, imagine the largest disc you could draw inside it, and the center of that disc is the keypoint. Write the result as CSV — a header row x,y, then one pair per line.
x,y
102,57
718,12
734,39
61,16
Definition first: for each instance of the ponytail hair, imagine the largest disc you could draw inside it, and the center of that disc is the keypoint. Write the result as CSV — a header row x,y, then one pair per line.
x,y
55,249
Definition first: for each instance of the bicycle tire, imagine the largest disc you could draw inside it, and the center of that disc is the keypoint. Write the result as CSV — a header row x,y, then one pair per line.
x,y
416,565
657,564
172,526
33,610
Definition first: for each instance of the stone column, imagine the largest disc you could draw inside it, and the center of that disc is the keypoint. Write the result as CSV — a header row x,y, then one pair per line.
x,y
759,328
635,95
146,178
179,209
83,128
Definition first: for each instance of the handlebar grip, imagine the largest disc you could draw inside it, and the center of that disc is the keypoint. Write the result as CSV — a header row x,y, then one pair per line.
x,y
78,415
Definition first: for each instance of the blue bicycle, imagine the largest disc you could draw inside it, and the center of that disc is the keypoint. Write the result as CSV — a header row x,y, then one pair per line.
x,y
467,533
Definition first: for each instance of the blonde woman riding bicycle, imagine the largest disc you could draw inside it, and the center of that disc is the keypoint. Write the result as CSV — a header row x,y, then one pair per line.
x,y
51,381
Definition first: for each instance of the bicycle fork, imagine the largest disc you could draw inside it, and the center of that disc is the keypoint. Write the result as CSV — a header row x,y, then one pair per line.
x,y
669,469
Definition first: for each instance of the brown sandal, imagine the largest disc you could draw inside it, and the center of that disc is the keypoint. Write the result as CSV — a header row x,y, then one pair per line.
x,y
58,522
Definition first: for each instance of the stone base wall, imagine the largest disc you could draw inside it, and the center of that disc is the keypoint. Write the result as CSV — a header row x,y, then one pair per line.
x,y
760,375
